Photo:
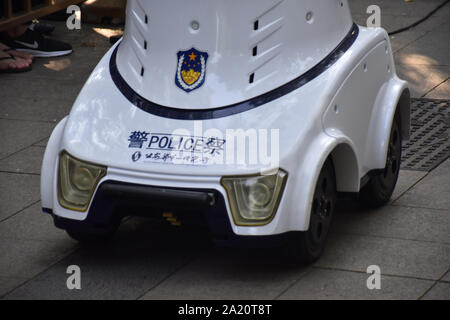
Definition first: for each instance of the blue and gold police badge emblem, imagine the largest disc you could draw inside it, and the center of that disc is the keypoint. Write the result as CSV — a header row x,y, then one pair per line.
x,y
191,69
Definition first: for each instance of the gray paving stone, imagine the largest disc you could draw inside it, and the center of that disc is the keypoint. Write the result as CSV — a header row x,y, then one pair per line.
x,y
429,50
334,284
426,260
441,92
441,291
446,278
26,161
406,179
42,143
444,12
225,275
431,192
17,135
17,191
421,78
32,224
396,222
403,39
7,284
26,258
46,100
138,259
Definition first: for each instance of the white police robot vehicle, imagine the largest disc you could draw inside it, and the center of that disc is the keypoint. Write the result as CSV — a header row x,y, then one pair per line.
x,y
172,121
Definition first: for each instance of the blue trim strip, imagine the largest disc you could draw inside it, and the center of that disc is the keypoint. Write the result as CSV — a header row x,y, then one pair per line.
x,y
205,114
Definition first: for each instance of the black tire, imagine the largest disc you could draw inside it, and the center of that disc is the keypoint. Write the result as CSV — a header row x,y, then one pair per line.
x,y
306,247
378,190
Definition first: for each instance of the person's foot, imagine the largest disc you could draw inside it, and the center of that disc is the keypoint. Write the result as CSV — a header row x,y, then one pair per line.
x,y
11,64
38,45
17,54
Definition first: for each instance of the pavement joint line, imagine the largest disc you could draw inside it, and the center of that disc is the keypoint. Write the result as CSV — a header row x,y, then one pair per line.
x,y
16,213
364,272
423,96
433,285
18,151
26,120
392,205
22,173
307,271
26,239
183,265
385,237
69,252
409,188
442,280
38,146
416,207
391,202
426,291
41,141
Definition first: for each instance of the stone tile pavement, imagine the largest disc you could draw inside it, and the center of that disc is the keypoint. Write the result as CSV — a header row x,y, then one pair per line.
x,y
409,239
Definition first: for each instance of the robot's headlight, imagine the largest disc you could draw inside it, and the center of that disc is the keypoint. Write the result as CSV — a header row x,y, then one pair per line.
x,y
77,181
254,199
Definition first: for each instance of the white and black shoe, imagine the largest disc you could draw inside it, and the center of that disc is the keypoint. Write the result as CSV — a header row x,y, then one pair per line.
x,y
39,46
42,28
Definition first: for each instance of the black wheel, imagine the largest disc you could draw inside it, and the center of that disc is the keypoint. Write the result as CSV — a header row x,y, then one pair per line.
x,y
307,247
381,185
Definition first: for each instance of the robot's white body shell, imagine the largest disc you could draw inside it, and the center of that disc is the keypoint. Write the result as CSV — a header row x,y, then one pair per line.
x,y
342,109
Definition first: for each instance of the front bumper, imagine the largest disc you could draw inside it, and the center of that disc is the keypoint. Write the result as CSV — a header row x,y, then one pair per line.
x,y
115,200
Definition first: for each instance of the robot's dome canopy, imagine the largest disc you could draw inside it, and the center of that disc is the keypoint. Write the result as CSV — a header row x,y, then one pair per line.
x,y
202,54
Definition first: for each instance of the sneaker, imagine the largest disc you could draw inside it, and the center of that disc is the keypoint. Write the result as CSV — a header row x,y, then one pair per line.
x,y
42,28
38,45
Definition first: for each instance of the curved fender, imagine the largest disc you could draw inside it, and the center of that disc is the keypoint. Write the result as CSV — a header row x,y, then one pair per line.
x,y
393,93
305,178
49,164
